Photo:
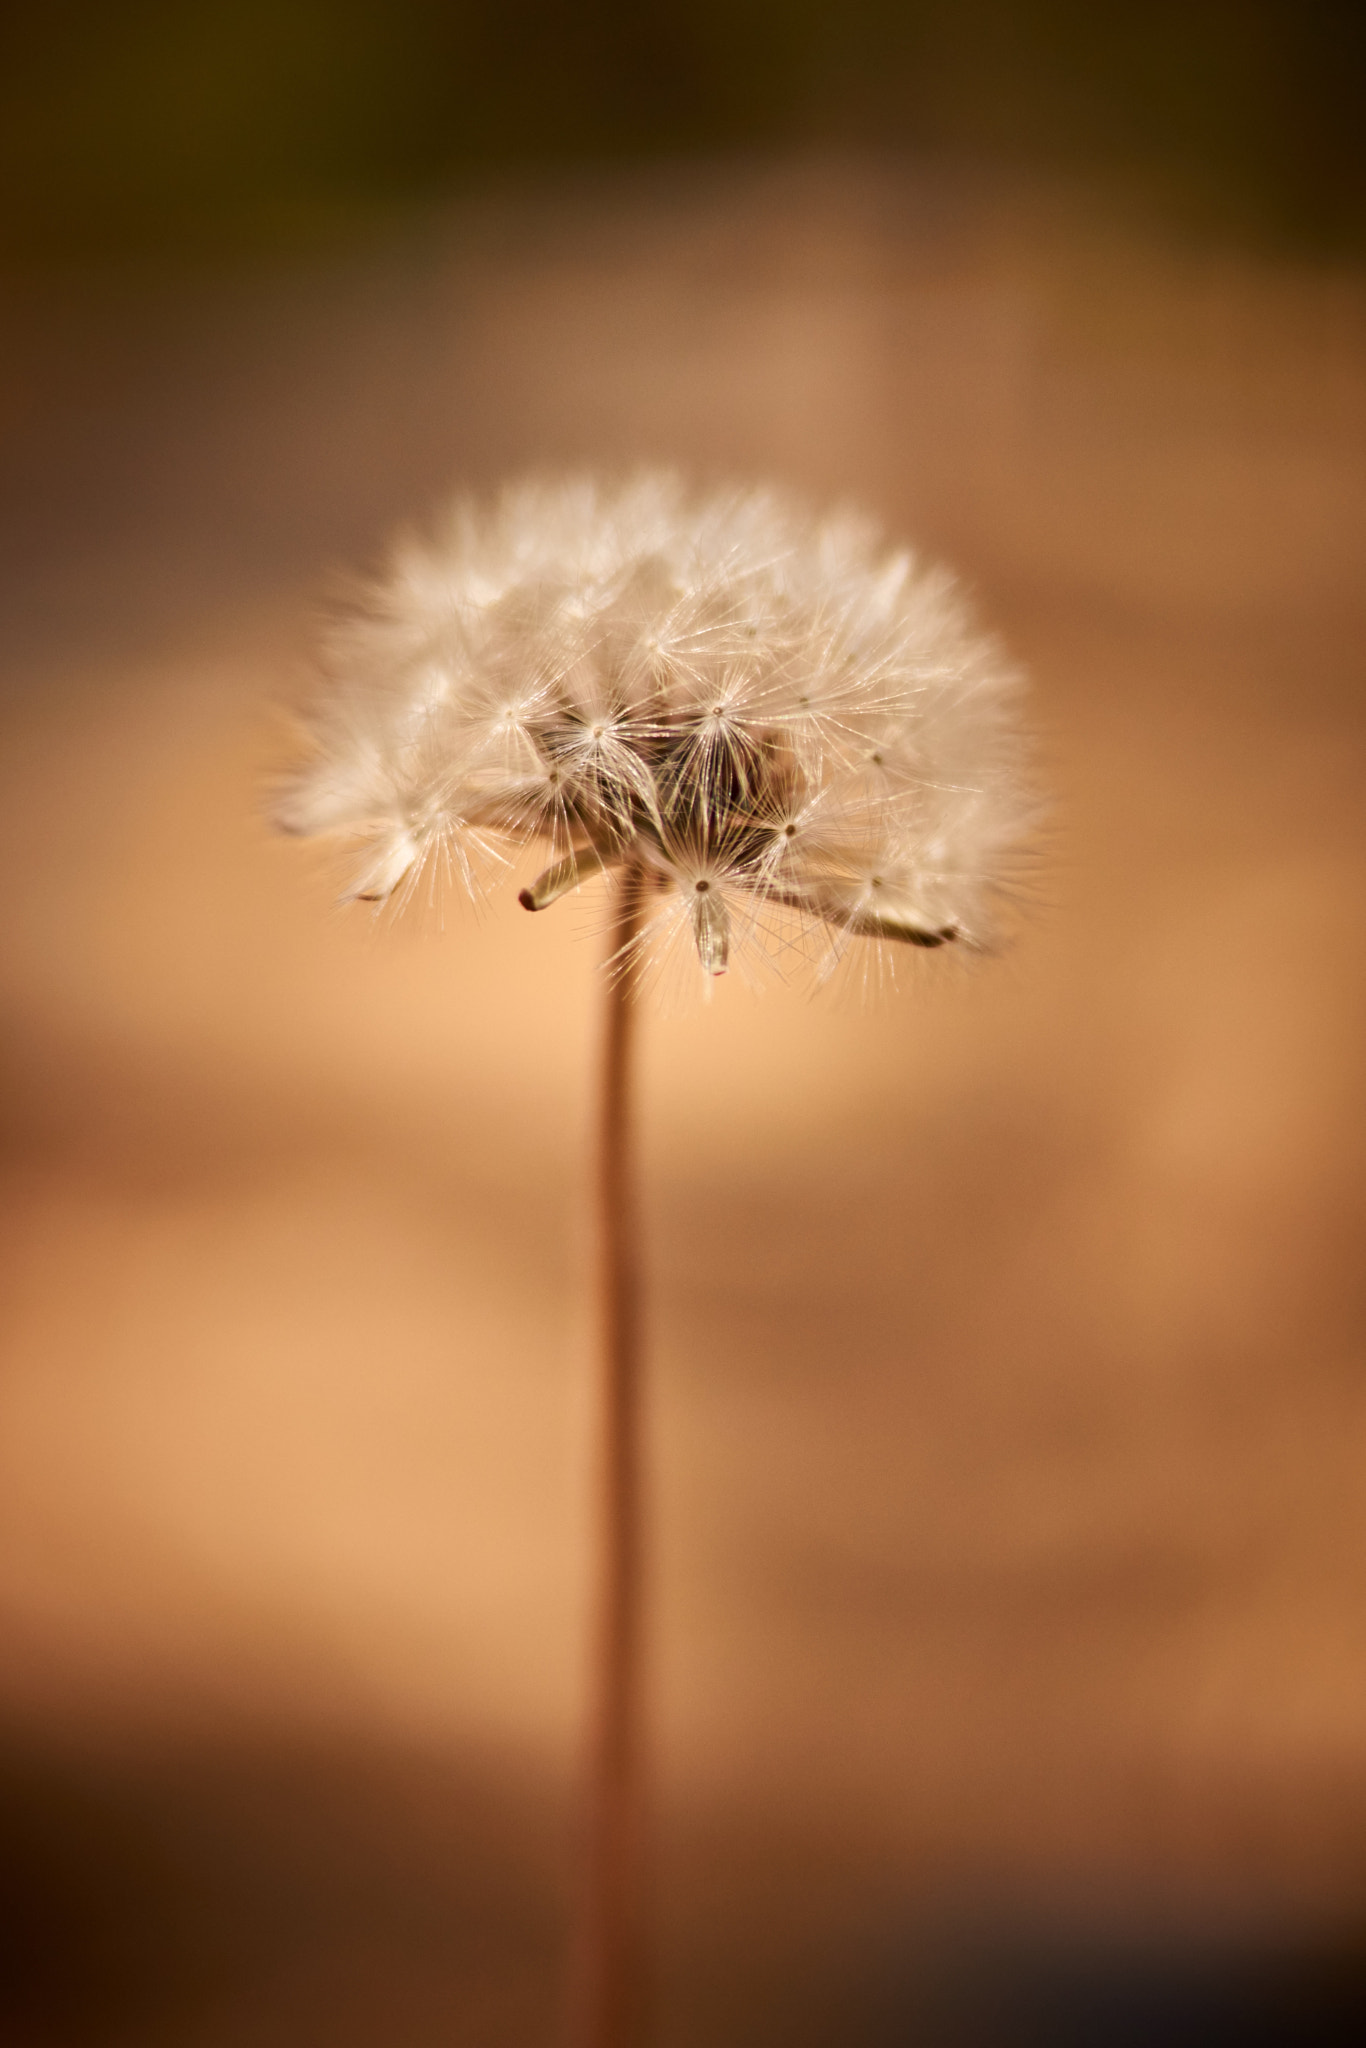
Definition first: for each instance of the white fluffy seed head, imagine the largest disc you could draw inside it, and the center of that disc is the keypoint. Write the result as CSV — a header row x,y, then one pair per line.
x,y
795,734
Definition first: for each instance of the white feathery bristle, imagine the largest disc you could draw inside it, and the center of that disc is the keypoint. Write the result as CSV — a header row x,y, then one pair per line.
x,y
797,734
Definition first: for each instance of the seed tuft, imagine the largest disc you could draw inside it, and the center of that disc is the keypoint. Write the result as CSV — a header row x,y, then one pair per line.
x,y
633,674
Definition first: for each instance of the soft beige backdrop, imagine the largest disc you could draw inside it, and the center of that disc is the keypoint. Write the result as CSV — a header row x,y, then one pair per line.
x,y
1008,1365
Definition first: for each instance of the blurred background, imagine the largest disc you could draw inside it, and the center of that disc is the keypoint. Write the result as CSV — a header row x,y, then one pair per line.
x,y
1007,1335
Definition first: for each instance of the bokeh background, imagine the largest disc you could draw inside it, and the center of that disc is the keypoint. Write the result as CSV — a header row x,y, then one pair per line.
x,y
1007,1336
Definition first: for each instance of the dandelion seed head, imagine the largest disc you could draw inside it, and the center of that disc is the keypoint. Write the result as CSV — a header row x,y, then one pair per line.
x,y
797,734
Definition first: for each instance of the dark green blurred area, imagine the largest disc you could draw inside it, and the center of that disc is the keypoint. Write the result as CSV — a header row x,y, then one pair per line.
x,y
202,126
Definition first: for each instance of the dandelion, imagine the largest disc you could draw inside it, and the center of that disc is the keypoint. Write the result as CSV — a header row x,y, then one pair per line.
x,y
780,739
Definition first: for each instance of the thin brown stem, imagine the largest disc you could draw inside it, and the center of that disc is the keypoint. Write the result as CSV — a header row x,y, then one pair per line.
x,y
610,1974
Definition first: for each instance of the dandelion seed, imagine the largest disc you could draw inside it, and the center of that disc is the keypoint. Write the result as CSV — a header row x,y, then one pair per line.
x,y
779,722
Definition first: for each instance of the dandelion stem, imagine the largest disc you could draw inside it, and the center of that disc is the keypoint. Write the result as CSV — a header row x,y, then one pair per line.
x,y
611,1932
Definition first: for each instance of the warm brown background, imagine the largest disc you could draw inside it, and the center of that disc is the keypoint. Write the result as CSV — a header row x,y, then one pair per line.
x,y
1008,1373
